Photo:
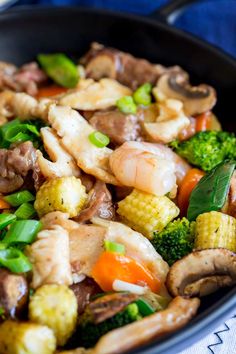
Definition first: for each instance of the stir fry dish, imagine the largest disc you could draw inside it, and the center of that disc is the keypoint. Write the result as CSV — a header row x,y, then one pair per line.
x,y
117,202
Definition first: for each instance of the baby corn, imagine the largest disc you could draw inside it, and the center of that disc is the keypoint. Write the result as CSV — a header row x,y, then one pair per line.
x,y
215,229
146,212
56,307
26,338
66,194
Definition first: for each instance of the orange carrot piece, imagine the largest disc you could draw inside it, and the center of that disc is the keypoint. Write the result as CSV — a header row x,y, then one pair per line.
x,y
203,122
4,204
111,266
192,177
50,91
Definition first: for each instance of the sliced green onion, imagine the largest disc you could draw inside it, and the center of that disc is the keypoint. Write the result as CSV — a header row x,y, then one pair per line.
x,y
14,260
19,198
23,231
60,69
21,132
4,128
143,94
127,105
6,219
114,247
144,307
98,139
25,211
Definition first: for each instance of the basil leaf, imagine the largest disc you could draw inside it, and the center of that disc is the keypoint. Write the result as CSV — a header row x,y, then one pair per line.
x,y
211,191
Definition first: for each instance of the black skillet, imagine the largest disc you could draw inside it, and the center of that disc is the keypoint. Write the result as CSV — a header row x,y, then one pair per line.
x,y
28,31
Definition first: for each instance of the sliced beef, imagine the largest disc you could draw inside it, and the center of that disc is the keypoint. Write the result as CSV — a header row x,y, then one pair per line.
x,y
13,293
128,70
15,164
100,204
84,291
118,126
26,78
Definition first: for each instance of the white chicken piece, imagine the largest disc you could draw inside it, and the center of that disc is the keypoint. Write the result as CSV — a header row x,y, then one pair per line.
x,y
74,131
136,246
139,165
58,218
91,95
5,101
86,245
50,258
63,165
170,122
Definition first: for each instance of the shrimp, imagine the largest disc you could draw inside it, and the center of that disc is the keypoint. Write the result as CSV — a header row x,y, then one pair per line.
x,y
140,165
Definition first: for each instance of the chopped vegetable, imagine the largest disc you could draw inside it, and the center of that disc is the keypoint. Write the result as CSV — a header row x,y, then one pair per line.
x,y
16,131
144,307
207,149
99,139
175,241
203,122
111,266
120,285
26,338
143,94
4,204
190,180
25,211
66,194
89,332
19,198
6,219
215,230
50,91
14,260
23,231
157,302
211,191
114,247
127,105
146,212
56,307
60,69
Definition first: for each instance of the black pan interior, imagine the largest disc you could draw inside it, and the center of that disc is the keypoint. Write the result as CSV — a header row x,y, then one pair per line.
x,y
25,33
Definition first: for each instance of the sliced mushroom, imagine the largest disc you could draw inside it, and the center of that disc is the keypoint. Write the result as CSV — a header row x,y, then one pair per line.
x,y
202,272
178,313
109,305
196,99
103,61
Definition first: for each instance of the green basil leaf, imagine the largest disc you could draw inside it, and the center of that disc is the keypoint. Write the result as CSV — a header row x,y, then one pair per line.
x,y
211,191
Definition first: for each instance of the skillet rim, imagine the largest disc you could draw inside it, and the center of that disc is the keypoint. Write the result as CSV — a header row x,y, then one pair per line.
x,y
216,313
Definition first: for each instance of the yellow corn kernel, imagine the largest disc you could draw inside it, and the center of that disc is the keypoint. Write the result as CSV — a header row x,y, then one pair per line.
x,y
146,212
215,229
56,307
66,194
26,338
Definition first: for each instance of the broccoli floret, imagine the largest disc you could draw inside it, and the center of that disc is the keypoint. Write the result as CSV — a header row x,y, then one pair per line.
x,y
175,241
207,149
89,332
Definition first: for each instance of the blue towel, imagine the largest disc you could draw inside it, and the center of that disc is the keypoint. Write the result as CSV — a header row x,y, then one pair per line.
x,y
212,20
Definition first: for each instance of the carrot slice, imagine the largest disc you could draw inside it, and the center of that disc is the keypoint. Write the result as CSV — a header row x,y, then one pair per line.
x,y
192,177
50,91
203,122
4,204
111,266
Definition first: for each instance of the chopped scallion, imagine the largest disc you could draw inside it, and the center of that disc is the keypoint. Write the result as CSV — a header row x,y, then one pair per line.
x,y
144,307
19,198
14,260
127,105
143,94
25,211
6,219
114,247
22,231
98,139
